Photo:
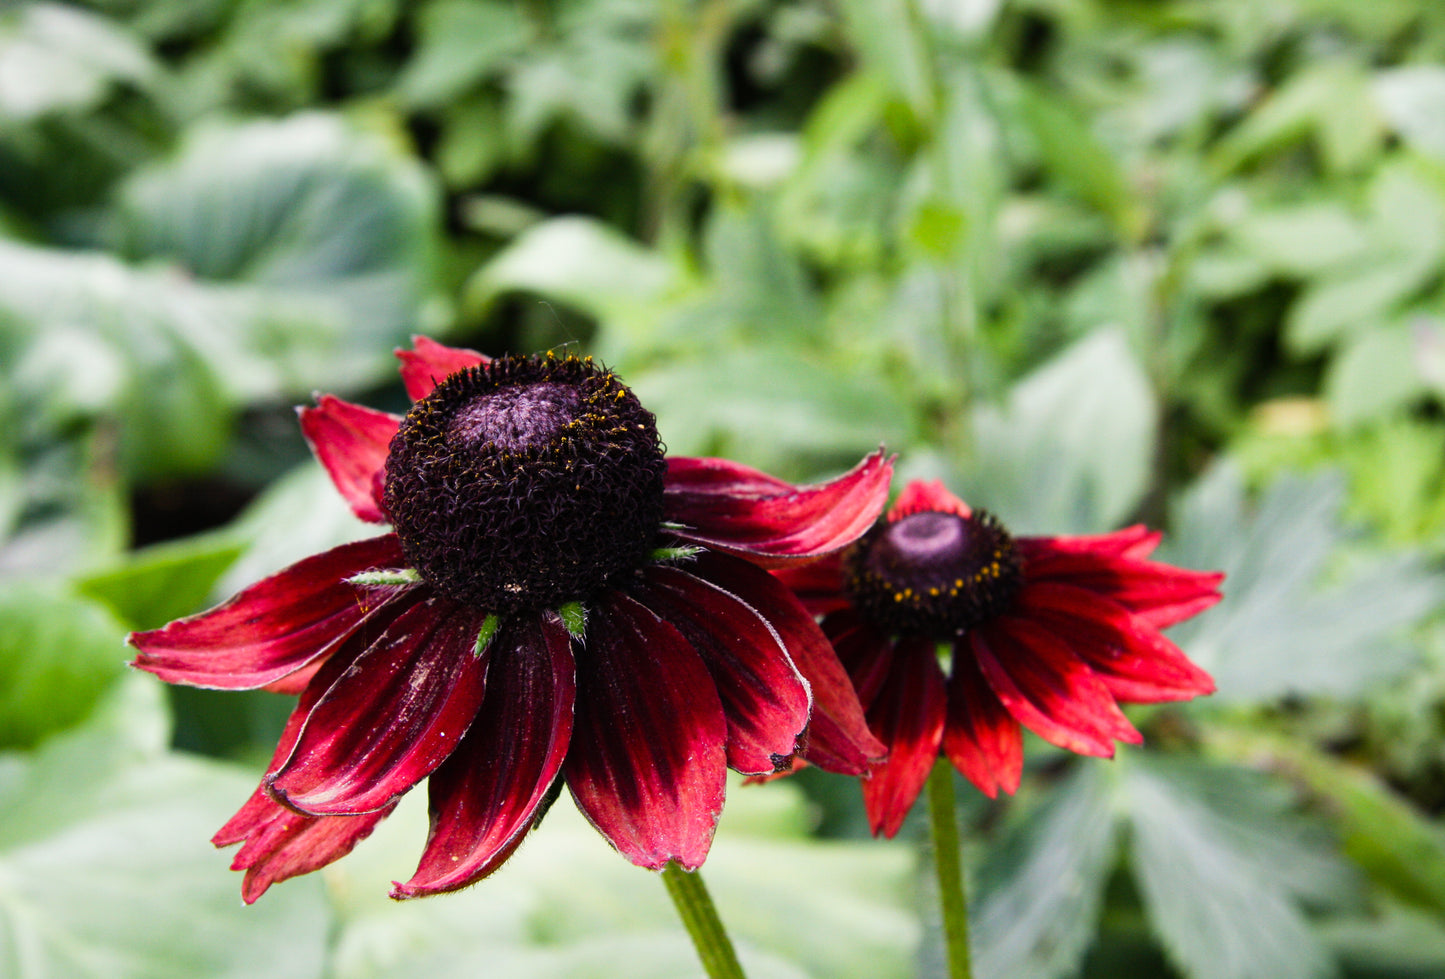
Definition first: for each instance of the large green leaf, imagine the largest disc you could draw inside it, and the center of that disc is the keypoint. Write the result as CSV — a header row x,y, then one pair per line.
x,y
325,225
57,57
1220,879
1042,886
106,869
149,588
58,654
1282,627
775,409
1070,450
567,905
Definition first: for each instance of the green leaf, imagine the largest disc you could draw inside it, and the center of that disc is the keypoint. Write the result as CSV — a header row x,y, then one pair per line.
x,y
460,43
59,58
777,409
1076,157
1398,846
1042,885
1282,628
1071,449
1413,100
576,260
58,654
1215,874
150,587
1374,375
108,870
298,515
327,229
840,910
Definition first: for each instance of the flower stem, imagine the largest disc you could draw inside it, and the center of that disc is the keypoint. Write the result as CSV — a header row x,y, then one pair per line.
x,y
695,907
950,871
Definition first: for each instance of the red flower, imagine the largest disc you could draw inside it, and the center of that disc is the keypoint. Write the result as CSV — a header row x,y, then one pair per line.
x,y
1047,632
556,603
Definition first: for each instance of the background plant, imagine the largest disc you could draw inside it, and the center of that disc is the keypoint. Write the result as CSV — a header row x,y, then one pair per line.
x,y
1087,261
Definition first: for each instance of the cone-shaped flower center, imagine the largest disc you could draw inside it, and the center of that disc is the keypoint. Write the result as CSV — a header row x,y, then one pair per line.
x,y
526,482
933,574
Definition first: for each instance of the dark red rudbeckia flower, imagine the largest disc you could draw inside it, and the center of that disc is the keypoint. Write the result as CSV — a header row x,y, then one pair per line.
x,y
1048,632
557,602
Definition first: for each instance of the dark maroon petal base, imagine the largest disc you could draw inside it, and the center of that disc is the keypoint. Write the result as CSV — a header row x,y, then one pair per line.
x,y
276,626
908,716
395,713
647,764
490,791
765,699
981,737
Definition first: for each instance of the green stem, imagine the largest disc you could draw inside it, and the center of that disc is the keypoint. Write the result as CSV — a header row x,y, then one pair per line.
x,y
950,871
689,895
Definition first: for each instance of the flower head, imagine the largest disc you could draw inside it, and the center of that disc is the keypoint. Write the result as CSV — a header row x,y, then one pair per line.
x,y
556,602
1051,633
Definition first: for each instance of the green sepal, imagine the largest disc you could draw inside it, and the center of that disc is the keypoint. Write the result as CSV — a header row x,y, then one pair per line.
x,y
377,579
667,555
486,634
574,617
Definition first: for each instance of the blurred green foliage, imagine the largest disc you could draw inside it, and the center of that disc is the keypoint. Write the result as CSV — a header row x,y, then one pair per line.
x,y
1088,261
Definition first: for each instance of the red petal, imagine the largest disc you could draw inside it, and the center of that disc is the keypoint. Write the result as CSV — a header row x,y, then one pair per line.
x,y
352,442
1135,662
981,738
751,514
1048,689
487,795
647,764
818,584
1136,542
865,653
393,716
908,717
276,626
838,738
281,844
764,697
425,365
922,497
1161,593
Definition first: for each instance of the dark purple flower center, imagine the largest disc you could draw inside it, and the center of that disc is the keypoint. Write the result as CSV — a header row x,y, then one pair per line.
x,y
932,573
526,482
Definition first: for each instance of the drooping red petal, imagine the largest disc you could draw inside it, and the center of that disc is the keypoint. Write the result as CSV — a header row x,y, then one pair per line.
x,y
981,738
1136,542
1135,662
352,441
838,736
647,764
764,697
1049,689
921,497
769,522
908,717
866,654
486,795
281,844
818,584
273,628
425,365
1161,593
393,716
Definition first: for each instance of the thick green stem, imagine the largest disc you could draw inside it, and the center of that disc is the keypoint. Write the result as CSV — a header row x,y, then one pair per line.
x,y
953,902
694,906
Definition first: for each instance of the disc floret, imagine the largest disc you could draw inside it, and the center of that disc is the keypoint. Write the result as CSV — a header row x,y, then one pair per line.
x,y
526,482
933,573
